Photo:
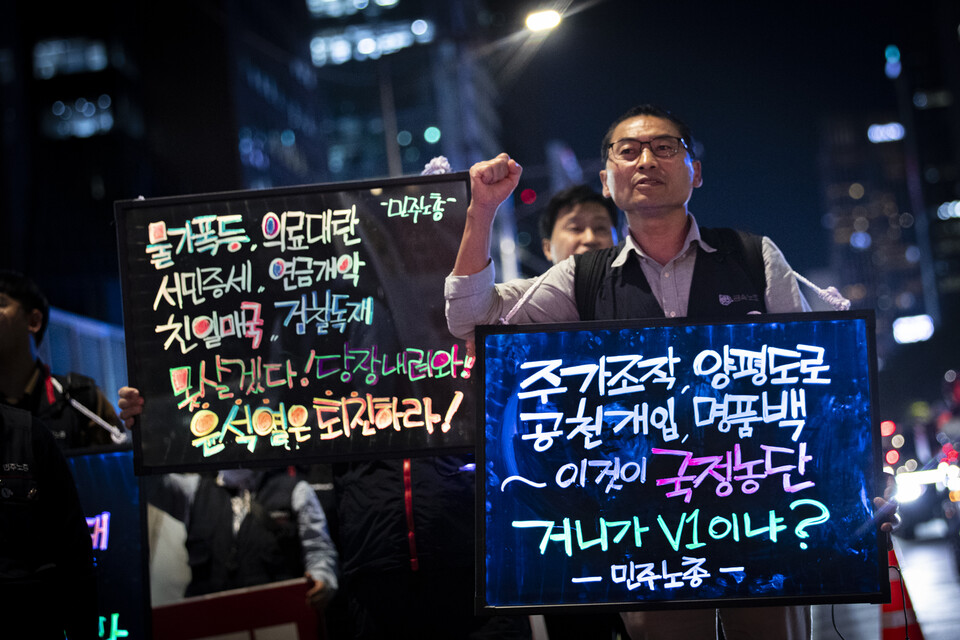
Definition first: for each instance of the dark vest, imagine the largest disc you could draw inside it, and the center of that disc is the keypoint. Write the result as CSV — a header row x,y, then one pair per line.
x,y
33,569
729,282
266,548
19,497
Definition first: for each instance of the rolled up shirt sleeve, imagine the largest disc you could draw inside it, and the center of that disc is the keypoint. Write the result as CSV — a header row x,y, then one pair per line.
x,y
476,299
319,553
472,300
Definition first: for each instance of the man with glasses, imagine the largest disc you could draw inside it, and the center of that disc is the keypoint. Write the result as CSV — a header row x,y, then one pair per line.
x,y
667,266
650,172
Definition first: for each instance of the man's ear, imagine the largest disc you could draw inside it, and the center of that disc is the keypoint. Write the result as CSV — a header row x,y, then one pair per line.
x,y
546,249
697,176
603,184
34,321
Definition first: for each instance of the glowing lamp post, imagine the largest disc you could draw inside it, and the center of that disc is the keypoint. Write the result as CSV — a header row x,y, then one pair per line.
x,y
543,20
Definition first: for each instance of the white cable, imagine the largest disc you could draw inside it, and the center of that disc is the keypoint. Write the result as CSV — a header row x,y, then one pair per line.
x,y
830,295
116,434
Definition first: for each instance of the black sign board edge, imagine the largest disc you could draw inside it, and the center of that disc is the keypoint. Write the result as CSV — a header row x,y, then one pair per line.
x,y
120,207
303,460
481,607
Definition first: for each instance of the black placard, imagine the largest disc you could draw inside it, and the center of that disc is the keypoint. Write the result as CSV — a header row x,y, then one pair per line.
x,y
110,495
303,324
679,464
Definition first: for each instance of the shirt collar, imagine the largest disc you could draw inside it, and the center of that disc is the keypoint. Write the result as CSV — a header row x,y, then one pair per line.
x,y
34,379
32,382
693,235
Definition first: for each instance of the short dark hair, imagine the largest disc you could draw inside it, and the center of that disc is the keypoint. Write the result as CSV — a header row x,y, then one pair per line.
x,y
569,198
28,294
656,112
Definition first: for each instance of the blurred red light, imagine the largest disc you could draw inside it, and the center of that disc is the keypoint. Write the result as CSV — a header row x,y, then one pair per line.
x,y
528,196
888,428
892,457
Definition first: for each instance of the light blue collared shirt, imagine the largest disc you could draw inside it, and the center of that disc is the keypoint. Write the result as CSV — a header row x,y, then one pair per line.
x,y
475,299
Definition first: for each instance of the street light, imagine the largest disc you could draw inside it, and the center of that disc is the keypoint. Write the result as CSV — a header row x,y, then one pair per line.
x,y
543,20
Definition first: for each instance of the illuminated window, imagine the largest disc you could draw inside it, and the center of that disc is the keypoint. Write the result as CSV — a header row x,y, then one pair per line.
x,y
80,118
342,8
890,132
74,55
368,42
949,210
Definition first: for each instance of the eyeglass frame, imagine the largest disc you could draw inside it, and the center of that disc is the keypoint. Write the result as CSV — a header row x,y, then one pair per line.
x,y
649,143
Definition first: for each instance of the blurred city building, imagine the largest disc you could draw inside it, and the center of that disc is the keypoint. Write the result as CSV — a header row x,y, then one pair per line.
x,y
113,100
891,188
876,249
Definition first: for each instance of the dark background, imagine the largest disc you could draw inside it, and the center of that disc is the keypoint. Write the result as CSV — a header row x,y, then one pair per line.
x,y
754,80
758,82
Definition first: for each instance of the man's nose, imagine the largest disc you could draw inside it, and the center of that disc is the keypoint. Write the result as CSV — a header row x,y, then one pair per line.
x,y
588,237
647,157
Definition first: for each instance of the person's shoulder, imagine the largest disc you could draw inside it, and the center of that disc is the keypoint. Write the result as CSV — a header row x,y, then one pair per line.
x,y
13,419
721,234
731,240
85,390
17,418
77,383
604,254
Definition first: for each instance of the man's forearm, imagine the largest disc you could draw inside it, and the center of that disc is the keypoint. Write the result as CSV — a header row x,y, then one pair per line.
x,y
474,253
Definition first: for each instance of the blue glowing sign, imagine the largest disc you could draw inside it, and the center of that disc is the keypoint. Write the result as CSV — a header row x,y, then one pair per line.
x,y
661,465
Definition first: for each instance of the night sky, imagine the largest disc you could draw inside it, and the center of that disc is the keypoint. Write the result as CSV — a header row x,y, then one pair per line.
x,y
754,80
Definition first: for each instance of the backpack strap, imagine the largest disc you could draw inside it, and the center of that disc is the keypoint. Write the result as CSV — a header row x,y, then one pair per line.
x,y
587,276
752,246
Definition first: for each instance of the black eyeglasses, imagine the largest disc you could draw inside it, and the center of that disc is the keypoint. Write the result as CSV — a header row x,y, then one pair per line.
x,y
627,150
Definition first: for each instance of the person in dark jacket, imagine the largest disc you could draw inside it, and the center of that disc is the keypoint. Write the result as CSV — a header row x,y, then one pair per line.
x,y
72,407
406,542
47,582
247,527
251,527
